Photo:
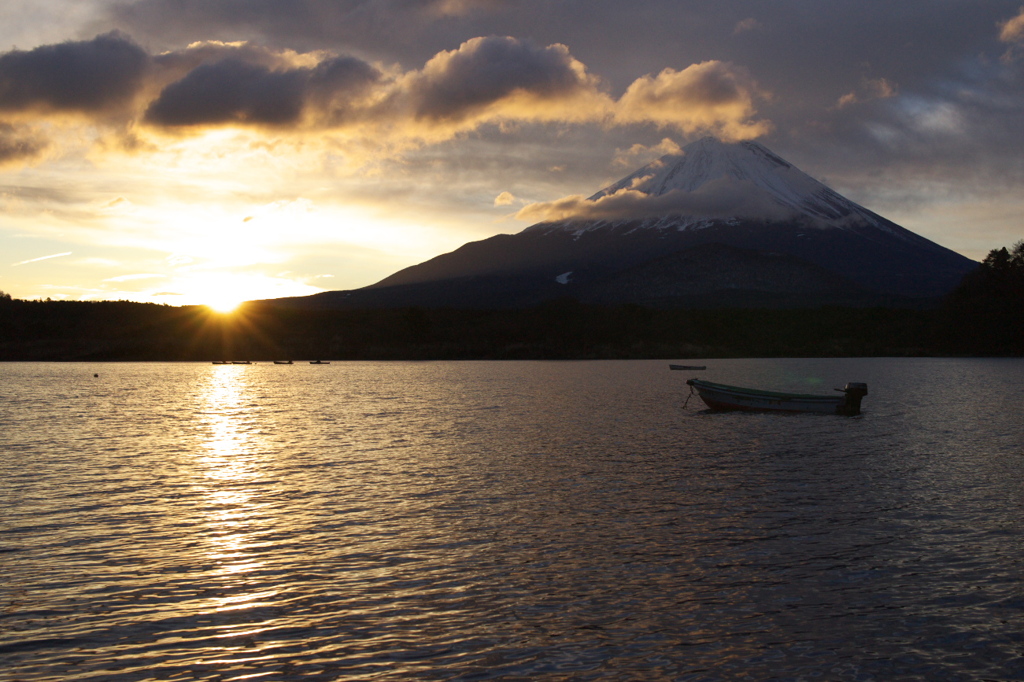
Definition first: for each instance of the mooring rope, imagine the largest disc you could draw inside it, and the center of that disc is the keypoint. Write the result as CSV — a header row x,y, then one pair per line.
x,y
687,401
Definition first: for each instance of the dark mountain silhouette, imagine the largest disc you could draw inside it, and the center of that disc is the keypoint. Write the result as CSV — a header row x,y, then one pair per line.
x,y
719,225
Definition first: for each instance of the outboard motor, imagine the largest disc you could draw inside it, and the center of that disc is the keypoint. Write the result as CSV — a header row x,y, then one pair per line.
x,y
855,392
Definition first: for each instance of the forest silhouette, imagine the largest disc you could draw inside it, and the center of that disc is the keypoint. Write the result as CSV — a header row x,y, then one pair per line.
x,y
983,316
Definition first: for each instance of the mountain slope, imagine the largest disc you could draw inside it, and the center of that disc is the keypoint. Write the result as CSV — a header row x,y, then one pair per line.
x,y
742,198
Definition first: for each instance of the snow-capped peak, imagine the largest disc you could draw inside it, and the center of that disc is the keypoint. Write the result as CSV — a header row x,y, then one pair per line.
x,y
751,172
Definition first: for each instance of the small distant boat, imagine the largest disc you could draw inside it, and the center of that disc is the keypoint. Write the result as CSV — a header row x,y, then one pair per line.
x,y
689,367
222,362
240,362
318,362
723,397
283,362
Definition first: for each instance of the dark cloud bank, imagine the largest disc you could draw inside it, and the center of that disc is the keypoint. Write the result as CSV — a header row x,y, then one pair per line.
x,y
88,76
232,90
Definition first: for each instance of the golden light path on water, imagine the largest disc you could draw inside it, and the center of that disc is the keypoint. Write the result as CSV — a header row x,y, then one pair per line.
x,y
227,465
227,459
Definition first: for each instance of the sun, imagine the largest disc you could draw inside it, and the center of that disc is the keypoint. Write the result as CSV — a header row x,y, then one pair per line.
x,y
223,292
224,305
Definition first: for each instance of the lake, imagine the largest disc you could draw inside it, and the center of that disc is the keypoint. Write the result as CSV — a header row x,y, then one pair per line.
x,y
516,520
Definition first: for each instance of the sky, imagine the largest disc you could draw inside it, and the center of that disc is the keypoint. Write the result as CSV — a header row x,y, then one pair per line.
x,y
210,151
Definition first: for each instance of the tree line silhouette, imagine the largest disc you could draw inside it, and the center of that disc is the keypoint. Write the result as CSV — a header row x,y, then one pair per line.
x,y
984,315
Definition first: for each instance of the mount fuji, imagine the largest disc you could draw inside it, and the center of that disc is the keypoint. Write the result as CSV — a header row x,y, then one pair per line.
x,y
718,225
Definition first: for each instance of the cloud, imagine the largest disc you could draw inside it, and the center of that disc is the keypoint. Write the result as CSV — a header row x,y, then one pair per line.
x,y
230,91
629,157
504,199
496,81
712,96
745,25
19,145
36,260
881,88
719,198
458,8
509,77
933,117
846,100
341,86
93,76
116,205
1012,30
484,80
240,83
870,89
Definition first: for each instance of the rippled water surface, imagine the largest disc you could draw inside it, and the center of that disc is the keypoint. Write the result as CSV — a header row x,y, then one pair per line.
x,y
477,520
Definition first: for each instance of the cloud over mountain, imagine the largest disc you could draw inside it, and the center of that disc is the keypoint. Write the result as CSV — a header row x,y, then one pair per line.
x,y
710,96
716,199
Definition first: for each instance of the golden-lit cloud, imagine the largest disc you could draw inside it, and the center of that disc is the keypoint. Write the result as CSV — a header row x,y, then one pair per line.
x,y
721,198
504,199
144,100
846,100
1012,30
502,77
628,157
486,81
870,89
712,96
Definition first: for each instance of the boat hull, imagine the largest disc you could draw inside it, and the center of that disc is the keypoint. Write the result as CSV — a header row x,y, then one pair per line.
x,y
723,397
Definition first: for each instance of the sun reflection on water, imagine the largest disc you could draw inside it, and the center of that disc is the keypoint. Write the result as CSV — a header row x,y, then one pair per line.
x,y
227,469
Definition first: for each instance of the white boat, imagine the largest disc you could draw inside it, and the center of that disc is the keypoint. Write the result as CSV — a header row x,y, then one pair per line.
x,y
723,397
